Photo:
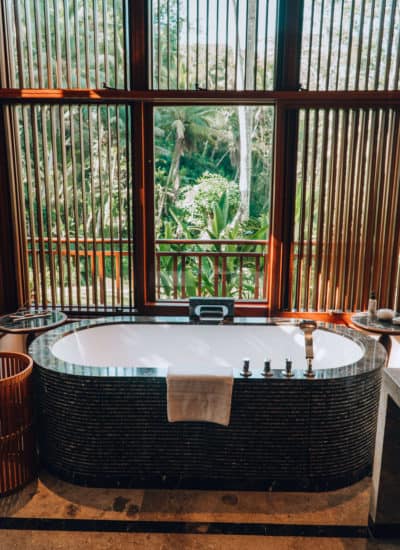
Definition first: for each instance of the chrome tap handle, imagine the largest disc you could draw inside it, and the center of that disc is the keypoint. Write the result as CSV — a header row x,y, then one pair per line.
x,y
246,372
267,368
288,370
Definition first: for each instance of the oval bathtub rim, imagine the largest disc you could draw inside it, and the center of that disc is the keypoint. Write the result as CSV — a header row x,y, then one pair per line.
x,y
41,350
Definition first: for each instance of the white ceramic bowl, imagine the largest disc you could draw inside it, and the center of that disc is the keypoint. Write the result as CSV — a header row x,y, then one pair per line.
x,y
385,314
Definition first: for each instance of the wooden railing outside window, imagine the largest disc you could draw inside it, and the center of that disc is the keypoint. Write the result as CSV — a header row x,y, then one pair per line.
x,y
184,268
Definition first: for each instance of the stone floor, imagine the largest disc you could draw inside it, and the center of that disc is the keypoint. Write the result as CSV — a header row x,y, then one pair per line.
x,y
53,514
39,540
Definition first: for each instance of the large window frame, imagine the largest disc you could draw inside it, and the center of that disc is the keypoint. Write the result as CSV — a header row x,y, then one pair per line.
x,y
287,98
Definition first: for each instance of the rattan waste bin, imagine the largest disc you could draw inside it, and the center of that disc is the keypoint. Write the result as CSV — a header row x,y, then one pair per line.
x,y
17,439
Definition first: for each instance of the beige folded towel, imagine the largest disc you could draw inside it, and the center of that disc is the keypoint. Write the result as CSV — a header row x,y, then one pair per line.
x,y
199,394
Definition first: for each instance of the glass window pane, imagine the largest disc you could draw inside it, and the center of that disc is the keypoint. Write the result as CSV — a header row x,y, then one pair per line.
x,y
347,209
213,45
74,177
65,43
351,45
212,200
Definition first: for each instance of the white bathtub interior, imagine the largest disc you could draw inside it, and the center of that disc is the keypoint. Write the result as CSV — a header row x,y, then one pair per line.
x,y
197,346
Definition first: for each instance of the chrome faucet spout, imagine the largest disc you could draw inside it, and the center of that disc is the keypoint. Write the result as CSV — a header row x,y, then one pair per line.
x,y
308,327
309,346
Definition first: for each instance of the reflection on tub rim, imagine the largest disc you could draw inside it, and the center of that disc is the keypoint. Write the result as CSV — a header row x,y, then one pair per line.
x,y
41,349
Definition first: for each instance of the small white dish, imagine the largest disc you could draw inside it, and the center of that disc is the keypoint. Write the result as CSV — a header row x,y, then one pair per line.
x,y
385,314
396,320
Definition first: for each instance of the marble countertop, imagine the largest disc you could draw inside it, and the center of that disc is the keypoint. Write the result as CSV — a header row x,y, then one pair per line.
x,y
372,323
392,378
45,319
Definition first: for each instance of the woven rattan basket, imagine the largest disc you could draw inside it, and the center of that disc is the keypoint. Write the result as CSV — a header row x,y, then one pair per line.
x,y
17,440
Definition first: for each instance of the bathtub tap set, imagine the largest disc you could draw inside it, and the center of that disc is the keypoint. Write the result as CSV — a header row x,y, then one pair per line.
x,y
267,372
220,310
308,327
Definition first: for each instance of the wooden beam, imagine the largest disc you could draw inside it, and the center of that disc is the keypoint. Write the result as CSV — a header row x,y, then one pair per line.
x,y
289,31
288,50
139,211
138,51
292,99
8,276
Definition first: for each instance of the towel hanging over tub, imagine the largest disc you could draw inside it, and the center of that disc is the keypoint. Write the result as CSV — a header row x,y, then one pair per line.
x,y
199,394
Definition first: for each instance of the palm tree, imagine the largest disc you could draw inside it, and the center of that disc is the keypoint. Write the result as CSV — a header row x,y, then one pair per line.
x,y
178,132
246,80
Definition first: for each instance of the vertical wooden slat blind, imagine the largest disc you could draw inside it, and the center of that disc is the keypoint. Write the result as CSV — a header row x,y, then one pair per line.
x,y
351,45
70,165
218,45
346,239
75,180
65,44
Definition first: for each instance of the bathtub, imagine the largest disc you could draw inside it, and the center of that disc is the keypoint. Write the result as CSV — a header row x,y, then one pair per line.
x,y
101,405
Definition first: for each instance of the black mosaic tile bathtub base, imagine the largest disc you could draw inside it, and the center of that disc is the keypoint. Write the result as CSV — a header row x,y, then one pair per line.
x,y
283,434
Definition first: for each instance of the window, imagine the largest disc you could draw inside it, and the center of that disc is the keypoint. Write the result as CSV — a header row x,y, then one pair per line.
x,y
212,191
71,161
213,45
76,217
348,188
351,45
64,44
168,148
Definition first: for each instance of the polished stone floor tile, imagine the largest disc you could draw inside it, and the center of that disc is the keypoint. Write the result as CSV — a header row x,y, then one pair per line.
x,y
56,540
347,506
52,498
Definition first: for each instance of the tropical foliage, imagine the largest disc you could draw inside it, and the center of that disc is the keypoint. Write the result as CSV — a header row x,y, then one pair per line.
x,y
198,161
